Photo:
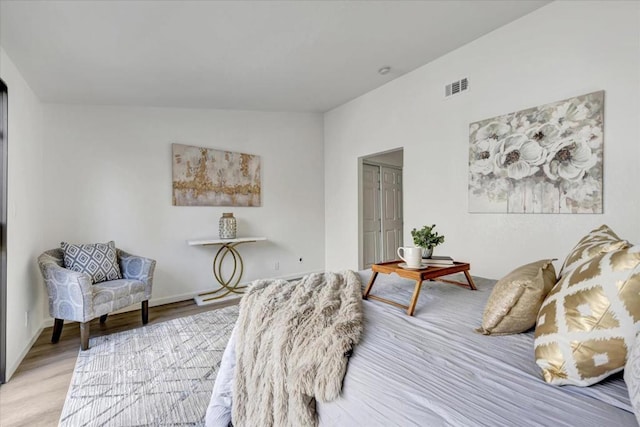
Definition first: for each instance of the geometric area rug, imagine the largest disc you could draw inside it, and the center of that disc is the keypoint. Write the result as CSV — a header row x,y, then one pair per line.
x,y
160,374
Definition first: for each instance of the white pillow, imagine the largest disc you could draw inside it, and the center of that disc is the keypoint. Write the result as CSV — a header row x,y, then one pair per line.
x,y
632,377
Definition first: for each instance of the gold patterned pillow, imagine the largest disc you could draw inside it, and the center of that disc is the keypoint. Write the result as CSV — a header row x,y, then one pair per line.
x,y
515,300
588,322
597,241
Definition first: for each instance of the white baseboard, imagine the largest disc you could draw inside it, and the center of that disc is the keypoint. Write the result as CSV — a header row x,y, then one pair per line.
x,y
208,298
177,298
48,322
152,303
297,275
12,369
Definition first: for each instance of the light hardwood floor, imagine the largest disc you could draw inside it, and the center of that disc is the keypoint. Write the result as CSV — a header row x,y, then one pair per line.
x,y
35,395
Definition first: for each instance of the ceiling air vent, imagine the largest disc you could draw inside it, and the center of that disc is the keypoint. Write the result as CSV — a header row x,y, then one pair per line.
x,y
456,87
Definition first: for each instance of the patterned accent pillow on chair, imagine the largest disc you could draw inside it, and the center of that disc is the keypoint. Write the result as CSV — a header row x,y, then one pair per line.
x,y
597,241
98,260
588,323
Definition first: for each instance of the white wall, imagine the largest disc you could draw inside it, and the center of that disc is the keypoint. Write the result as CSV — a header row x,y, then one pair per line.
x,y
562,50
109,176
25,292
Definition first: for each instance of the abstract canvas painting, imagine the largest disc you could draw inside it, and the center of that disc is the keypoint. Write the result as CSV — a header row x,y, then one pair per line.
x,y
208,177
545,159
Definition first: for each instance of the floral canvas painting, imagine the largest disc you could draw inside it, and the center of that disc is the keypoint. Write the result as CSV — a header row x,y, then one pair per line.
x,y
208,177
546,159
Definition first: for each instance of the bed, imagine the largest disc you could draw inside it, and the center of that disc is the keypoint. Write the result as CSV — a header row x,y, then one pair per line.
x,y
432,369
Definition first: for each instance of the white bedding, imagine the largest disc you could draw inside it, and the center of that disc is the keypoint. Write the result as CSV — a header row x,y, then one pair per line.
x,y
434,370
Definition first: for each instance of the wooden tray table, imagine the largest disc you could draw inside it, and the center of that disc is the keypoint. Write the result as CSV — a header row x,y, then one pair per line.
x,y
431,272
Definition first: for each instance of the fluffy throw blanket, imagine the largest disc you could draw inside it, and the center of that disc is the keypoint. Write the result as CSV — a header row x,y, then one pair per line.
x,y
294,341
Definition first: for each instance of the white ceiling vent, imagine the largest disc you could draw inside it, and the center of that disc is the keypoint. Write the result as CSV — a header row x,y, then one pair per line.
x,y
456,87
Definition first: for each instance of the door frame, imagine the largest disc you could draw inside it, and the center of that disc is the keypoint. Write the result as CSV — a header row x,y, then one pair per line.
x,y
4,118
361,161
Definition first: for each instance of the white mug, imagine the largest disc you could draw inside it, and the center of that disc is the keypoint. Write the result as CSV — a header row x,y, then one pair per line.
x,y
412,256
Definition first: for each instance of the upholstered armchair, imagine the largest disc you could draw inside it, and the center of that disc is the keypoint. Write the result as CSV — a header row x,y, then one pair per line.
x,y
73,296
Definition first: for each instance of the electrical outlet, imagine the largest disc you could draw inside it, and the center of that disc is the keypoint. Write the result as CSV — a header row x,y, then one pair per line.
x,y
276,266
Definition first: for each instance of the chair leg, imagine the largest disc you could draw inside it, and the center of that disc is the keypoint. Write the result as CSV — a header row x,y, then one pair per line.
x,y
103,318
57,330
145,312
84,335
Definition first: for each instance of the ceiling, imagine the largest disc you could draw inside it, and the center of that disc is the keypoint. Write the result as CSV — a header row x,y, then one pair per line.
x,y
247,55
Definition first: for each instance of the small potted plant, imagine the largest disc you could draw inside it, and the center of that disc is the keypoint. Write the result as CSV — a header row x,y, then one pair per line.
x,y
427,239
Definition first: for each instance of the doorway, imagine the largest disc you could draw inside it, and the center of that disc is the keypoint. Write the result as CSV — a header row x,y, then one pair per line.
x,y
380,207
4,121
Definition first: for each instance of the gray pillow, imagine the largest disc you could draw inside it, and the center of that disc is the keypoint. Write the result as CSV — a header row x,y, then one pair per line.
x,y
98,260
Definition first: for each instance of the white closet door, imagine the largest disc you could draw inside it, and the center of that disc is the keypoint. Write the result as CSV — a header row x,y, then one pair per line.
x,y
391,212
371,215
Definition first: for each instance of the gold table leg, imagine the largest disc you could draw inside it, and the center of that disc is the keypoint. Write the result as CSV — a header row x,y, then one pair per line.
x,y
229,285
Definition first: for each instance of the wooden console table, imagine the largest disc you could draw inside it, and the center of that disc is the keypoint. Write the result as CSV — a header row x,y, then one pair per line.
x,y
230,285
429,273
